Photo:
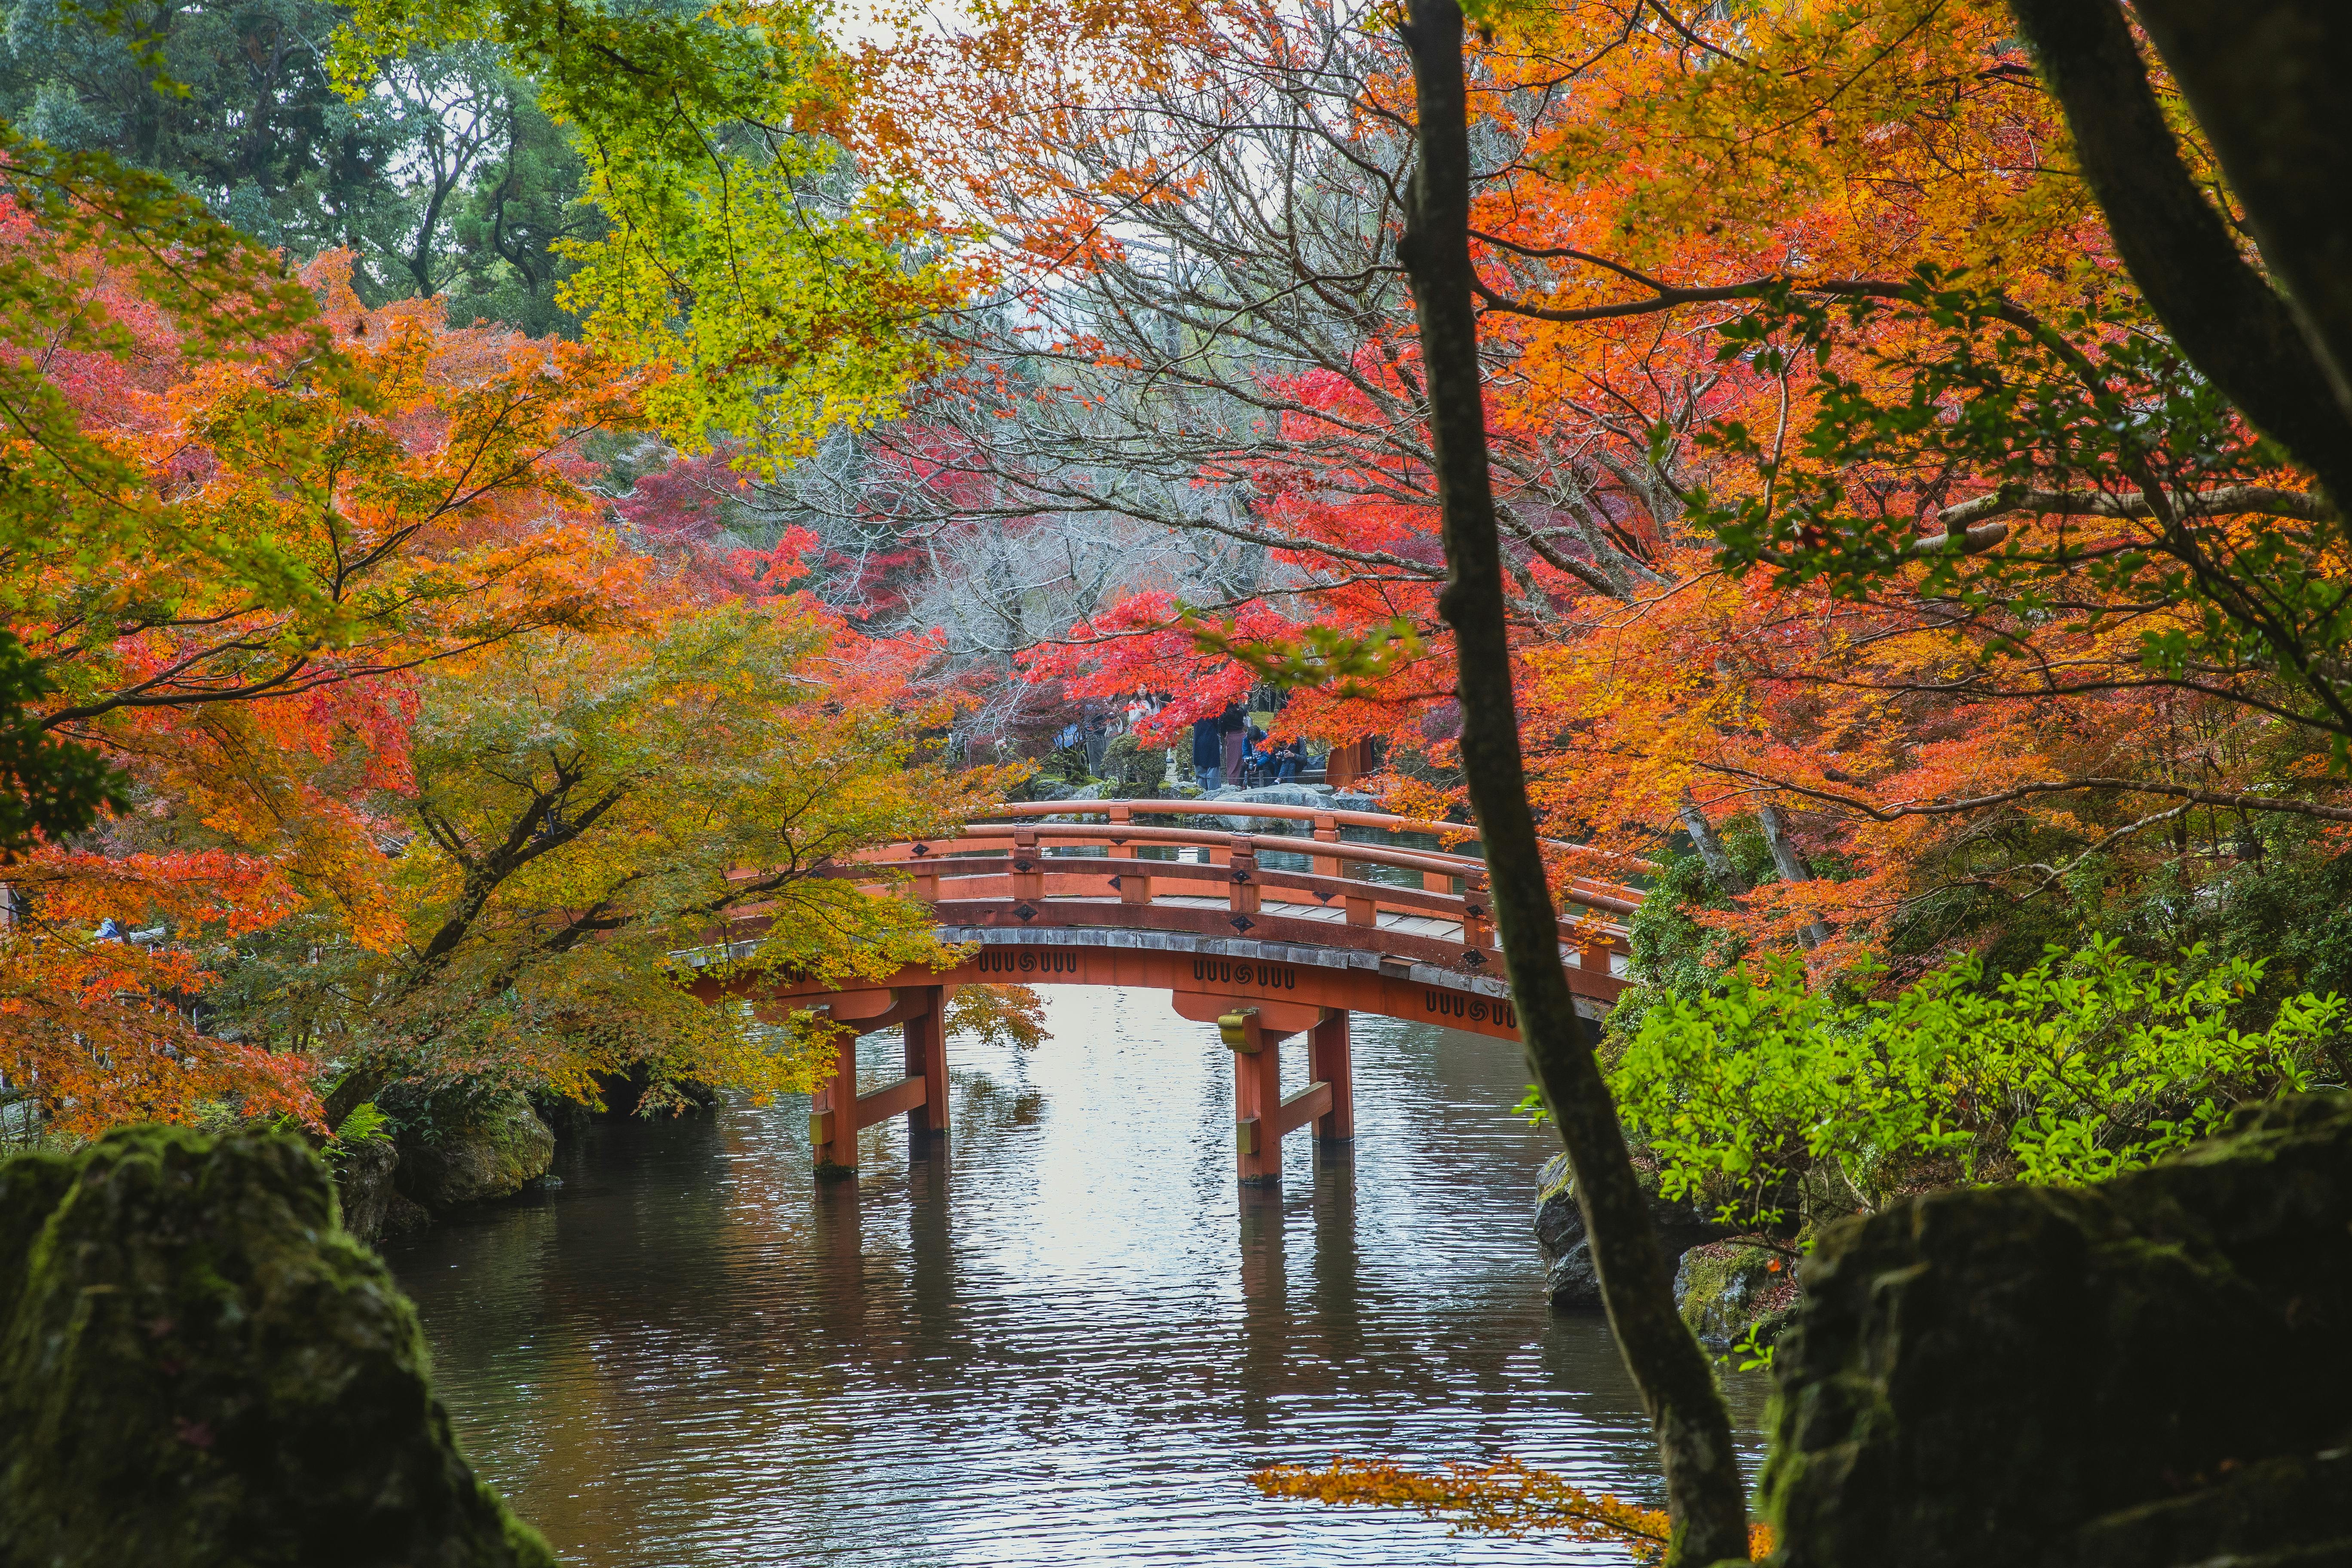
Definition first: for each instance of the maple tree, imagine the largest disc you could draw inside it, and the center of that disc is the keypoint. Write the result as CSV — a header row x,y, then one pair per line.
x,y
98,263
1975,625
304,698
1662,381
586,810
282,537
300,552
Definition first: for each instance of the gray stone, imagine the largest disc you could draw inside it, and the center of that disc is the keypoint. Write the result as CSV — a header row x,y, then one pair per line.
x,y
199,1369
1570,1278
1321,797
2153,1372
490,1154
403,1214
364,1187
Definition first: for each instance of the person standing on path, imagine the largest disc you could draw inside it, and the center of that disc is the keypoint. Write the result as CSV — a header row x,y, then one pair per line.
x,y
1208,753
1232,730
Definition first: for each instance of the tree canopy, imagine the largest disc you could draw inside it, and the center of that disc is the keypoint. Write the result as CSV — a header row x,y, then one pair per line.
x,y
499,496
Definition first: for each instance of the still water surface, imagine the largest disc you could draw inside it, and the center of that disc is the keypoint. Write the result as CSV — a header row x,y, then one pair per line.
x,y
1066,1338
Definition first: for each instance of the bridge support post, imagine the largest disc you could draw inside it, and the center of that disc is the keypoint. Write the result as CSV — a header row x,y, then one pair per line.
x,y
1261,1116
832,1115
926,1030
1328,1062
1257,1098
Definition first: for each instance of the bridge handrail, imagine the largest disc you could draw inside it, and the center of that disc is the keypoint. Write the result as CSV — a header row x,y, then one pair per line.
x,y
1602,896
1633,864
1076,835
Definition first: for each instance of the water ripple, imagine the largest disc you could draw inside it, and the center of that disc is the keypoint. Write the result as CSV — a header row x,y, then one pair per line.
x,y
1068,1339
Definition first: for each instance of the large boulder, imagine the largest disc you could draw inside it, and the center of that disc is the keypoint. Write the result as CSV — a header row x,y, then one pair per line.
x,y
2157,1371
198,1368
1569,1277
493,1151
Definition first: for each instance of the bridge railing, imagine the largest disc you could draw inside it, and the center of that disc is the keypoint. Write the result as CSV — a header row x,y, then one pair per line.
x,y
1327,824
1057,872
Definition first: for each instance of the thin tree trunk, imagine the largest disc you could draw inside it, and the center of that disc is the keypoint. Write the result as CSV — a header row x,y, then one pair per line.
x,y
1701,1469
1791,865
1711,851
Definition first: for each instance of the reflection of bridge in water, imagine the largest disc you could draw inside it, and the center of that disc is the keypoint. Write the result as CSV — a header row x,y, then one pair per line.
x,y
1264,950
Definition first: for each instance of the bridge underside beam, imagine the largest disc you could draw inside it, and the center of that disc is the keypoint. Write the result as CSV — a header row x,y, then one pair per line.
x,y
1310,1104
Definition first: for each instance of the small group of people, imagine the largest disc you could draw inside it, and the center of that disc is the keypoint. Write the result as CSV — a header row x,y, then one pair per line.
x,y
1229,750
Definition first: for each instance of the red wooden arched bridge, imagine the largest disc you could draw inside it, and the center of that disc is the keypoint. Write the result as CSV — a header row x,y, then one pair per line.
x,y
1091,893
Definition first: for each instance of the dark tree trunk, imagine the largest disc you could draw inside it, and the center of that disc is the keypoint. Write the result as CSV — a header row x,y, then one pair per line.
x,y
1702,1469
2222,312
2268,81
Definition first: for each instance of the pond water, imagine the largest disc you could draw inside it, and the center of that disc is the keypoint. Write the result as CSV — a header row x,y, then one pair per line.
x,y
1066,1337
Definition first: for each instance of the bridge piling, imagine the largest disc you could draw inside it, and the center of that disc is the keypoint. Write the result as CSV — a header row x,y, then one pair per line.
x,y
1257,1098
926,1031
833,1116
837,1112
1263,1116
1327,1061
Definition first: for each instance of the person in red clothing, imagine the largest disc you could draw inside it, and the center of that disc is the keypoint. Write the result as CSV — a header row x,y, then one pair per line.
x,y
1233,731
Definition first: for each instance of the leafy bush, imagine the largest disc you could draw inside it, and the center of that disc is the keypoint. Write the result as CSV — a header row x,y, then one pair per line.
x,y
363,1123
1673,953
1780,1105
1133,768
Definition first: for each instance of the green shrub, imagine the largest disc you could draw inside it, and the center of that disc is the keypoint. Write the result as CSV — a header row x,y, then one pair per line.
x,y
1780,1105
1134,769
362,1124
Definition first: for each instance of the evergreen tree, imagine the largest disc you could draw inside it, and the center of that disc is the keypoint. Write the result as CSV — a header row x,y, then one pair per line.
x,y
446,177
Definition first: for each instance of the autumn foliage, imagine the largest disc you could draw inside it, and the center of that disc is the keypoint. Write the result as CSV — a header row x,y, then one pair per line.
x,y
362,634
1506,1498
1825,424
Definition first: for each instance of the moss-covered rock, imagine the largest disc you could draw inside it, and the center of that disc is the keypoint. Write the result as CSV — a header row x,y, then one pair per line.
x,y
499,1145
2154,1372
364,1187
1725,1287
198,1368
1569,1277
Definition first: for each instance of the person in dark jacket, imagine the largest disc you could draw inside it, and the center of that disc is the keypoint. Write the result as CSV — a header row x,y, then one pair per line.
x,y
1208,753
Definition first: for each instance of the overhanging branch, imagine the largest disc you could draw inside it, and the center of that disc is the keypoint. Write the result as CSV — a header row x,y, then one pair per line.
x,y
2220,799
